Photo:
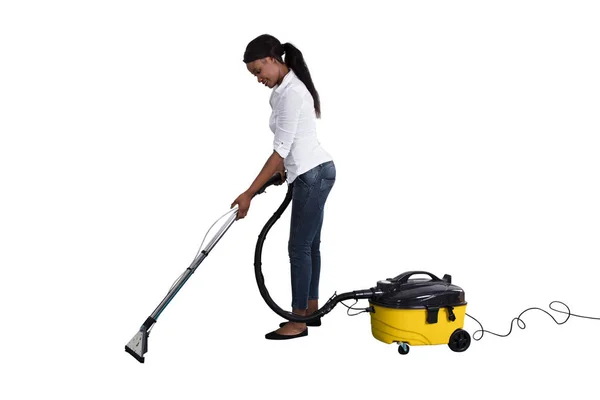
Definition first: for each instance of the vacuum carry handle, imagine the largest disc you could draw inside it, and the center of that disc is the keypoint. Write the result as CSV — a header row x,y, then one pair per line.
x,y
277,179
403,278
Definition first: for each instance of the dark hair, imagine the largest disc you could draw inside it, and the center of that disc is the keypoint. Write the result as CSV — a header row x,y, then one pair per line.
x,y
269,46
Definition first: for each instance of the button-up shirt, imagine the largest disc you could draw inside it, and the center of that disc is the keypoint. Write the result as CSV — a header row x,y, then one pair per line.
x,y
293,122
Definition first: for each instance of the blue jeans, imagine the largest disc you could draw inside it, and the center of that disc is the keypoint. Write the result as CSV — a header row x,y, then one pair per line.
x,y
309,193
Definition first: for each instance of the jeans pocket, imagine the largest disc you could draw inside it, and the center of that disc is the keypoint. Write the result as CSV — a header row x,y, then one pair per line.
x,y
308,178
324,189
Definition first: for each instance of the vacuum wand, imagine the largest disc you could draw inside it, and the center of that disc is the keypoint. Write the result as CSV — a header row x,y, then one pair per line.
x,y
138,345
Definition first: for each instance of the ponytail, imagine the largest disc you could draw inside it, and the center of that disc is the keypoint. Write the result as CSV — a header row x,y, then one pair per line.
x,y
295,60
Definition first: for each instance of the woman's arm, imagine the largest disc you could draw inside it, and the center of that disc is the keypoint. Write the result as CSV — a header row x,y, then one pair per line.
x,y
273,164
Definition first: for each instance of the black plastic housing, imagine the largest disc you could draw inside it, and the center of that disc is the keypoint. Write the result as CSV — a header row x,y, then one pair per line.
x,y
402,292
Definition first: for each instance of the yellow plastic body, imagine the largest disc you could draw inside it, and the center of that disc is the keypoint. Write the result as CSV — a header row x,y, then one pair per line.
x,y
391,325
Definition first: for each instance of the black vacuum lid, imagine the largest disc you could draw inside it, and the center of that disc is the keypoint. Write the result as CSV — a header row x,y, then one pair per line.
x,y
402,292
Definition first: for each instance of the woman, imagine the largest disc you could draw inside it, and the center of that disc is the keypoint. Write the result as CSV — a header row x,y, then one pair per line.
x,y
298,155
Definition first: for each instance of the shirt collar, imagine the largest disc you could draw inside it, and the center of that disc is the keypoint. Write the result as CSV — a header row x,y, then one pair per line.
x,y
285,81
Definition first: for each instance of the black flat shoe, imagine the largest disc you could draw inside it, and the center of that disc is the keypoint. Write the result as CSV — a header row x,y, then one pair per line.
x,y
276,336
311,323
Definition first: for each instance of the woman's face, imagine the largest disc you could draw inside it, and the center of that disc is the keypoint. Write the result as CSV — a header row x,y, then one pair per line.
x,y
266,71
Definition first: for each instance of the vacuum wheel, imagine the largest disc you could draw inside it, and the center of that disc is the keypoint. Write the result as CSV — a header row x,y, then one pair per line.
x,y
459,340
403,348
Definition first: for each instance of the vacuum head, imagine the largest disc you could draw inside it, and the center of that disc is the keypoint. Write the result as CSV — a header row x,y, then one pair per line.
x,y
138,345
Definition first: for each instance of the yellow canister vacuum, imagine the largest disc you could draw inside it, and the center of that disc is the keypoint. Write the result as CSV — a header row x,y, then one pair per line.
x,y
406,311
419,312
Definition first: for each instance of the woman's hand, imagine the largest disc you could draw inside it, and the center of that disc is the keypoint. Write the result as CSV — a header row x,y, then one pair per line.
x,y
243,202
282,171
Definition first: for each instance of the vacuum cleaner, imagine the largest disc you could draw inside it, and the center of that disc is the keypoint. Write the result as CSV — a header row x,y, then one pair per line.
x,y
403,310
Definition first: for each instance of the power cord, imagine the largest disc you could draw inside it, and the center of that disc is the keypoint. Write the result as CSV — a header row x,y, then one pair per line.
x,y
521,323
366,309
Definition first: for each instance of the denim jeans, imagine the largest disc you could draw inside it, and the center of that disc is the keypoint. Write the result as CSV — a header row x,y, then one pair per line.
x,y
309,193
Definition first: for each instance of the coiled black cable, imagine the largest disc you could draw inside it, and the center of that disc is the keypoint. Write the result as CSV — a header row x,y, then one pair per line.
x,y
521,323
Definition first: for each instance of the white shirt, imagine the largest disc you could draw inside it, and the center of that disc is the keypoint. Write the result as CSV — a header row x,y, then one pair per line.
x,y
293,121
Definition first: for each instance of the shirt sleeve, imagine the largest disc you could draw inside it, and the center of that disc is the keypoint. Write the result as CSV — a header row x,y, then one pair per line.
x,y
288,115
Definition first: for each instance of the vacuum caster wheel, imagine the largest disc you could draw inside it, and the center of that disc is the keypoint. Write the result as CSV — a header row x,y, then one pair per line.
x,y
403,348
459,340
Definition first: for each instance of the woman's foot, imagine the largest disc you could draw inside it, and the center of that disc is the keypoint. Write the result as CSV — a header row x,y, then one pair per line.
x,y
291,329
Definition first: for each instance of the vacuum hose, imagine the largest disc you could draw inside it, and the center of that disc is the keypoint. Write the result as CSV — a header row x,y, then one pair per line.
x,y
327,307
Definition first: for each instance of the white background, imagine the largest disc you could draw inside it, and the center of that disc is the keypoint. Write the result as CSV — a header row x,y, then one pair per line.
x,y
466,140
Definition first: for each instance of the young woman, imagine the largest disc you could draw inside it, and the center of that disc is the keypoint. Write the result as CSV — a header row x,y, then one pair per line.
x,y
299,156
